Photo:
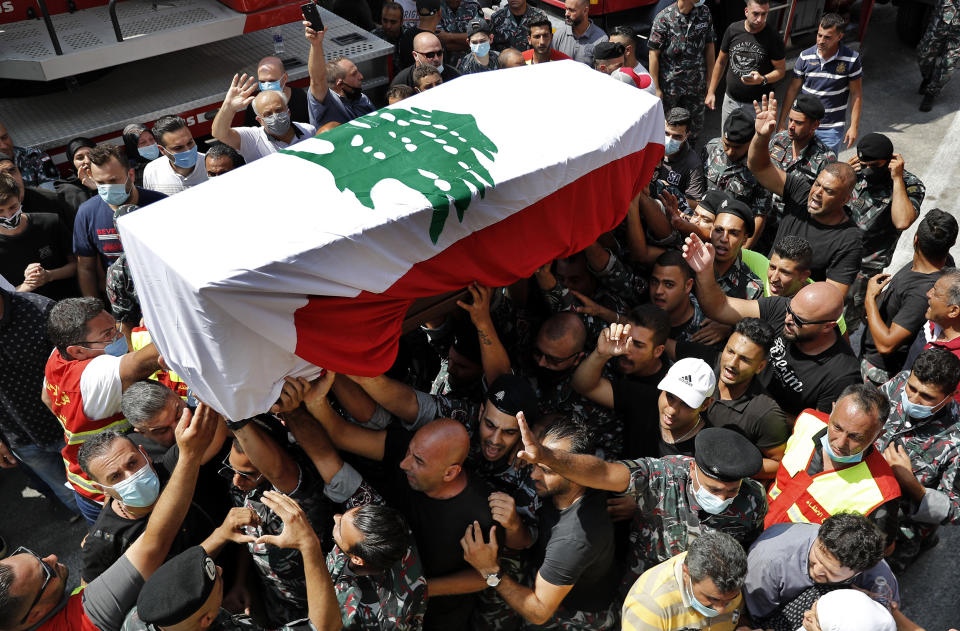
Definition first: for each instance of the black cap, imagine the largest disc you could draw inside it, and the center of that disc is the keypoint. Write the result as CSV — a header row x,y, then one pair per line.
x,y
809,105
678,116
76,144
726,455
178,589
713,200
874,147
733,206
738,128
608,50
511,393
478,26
428,7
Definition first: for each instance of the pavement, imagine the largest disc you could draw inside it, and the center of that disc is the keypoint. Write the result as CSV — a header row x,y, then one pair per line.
x,y
930,589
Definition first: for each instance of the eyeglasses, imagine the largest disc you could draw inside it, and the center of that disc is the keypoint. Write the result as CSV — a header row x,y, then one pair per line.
x,y
550,359
431,54
48,571
116,336
801,322
227,472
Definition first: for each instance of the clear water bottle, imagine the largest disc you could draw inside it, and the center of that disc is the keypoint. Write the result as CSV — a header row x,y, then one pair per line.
x,y
277,41
882,591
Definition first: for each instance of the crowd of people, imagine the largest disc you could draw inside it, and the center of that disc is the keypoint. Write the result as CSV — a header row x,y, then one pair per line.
x,y
722,414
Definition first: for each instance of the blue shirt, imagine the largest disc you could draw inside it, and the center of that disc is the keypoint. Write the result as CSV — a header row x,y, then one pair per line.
x,y
829,80
336,109
94,233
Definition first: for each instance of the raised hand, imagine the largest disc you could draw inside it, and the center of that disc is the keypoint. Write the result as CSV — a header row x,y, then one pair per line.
x,y
195,431
241,93
479,308
698,255
292,394
314,38
766,122
589,307
319,389
896,166
236,522
533,450
297,532
614,340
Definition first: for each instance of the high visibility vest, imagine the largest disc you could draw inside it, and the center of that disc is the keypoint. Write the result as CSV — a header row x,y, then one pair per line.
x,y
140,337
798,497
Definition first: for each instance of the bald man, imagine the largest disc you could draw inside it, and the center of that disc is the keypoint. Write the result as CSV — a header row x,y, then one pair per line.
x,y
275,130
427,49
336,86
511,58
271,75
810,363
439,498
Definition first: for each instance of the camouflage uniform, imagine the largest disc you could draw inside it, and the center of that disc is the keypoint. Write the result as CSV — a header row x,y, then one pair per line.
x,y
456,22
682,41
740,282
36,167
560,299
510,31
122,292
470,65
939,51
622,281
668,518
694,324
870,208
933,445
570,620
225,621
734,178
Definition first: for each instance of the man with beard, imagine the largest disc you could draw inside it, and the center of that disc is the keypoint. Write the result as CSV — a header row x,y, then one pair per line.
x,y
511,25
391,28
671,289
578,35
427,51
811,362
540,40
336,92
788,270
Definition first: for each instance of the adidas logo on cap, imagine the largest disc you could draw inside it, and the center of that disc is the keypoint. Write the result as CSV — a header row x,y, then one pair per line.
x,y
687,380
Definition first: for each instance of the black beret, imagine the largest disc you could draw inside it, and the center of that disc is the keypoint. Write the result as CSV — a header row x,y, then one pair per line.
x,y
733,206
713,200
178,589
809,105
478,26
678,116
608,50
874,147
726,455
76,144
738,128
428,7
511,393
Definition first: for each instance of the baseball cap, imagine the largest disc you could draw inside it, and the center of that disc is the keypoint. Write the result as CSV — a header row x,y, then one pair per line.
x,y
691,379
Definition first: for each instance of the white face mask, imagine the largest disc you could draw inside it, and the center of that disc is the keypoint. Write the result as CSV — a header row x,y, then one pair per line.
x,y
708,501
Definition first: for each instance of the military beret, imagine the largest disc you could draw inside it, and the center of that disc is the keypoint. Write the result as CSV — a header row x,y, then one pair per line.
x,y
511,393
874,147
726,455
735,207
178,589
678,116
608,50
713,200
809,105
428,7
738,128
478,26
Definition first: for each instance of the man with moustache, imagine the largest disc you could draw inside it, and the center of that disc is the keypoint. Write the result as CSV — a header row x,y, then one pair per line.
x,y
671,289
578,36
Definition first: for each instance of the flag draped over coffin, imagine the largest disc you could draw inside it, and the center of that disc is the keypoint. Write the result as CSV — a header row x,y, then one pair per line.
x,y
310,257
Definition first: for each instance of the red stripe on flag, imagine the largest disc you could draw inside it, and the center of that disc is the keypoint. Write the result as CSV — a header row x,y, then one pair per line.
x,y
359,335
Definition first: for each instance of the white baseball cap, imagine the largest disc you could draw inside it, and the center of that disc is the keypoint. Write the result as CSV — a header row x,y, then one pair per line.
x,y
691,379
851,610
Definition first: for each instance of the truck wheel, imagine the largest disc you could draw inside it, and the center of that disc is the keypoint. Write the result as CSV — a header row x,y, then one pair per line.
x,y
912,18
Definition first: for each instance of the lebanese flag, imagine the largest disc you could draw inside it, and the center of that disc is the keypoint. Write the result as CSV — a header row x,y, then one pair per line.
x,y
311,257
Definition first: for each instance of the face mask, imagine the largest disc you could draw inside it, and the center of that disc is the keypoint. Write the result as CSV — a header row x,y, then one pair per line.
x,y
150,152
671,146
480,50
440,68
842,459
277,124
139,490
113,194
271,85
702,609
876,176
14,221
185,159
117,348
708,501
915,410
352,94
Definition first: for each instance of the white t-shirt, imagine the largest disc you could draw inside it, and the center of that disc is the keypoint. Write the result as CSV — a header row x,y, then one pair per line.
x,y
410,17
255,142
159,176
101,387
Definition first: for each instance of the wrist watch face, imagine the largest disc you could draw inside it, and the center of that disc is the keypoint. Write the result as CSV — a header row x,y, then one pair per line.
x,y
493,579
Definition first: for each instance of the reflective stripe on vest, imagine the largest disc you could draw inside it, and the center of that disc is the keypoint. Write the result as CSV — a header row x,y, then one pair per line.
x,y
140,337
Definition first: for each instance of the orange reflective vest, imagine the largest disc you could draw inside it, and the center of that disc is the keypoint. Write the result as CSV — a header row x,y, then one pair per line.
x,y
140,337
797,496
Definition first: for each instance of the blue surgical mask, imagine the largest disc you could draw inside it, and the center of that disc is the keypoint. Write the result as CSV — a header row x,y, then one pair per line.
x,y
139,490
480,50
186,159
702,609
114,194
841,459
12,221
708,501
671,146
440,68
915,410
117,348
271,85
150,152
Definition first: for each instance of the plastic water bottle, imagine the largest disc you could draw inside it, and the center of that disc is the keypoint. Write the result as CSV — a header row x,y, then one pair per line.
x,y
277,41
882,592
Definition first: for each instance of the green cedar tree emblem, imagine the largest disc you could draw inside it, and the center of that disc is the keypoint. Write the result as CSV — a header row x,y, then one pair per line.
x,y
431,151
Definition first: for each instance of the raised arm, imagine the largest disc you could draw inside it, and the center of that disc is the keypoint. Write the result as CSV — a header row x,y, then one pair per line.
x,y
588,378
345,435
238,97
139,365
268,456
902,211
398,398
316,62
493,356
715,304
758,157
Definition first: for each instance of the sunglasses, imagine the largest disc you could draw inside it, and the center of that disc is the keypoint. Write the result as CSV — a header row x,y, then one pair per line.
x,y
48,571
430,55
801,322
227,472
550,359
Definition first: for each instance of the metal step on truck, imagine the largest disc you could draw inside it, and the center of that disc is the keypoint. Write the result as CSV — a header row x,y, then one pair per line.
x,y
73,68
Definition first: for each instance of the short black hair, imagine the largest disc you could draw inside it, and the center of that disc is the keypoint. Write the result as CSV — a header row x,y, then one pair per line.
x,y
673,258
223,150
654,318
424,71
399,91
385,536
166,125
869,399
757,331
796,249
624,31
105,151
718,556
94,447
833,20
853,539
67,321
10,606
936,234
541,22
939,367
563,426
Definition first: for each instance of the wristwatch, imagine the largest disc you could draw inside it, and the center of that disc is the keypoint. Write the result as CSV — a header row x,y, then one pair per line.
x,y
764,82
494,579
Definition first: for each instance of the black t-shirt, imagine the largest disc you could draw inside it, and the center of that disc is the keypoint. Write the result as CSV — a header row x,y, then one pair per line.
x,y
46,240
635,400
576,548
837,250
297,106
798,381
438,527
749,52
903,302
38,200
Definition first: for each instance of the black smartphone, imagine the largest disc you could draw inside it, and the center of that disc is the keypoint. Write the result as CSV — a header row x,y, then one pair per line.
x,y
312,14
